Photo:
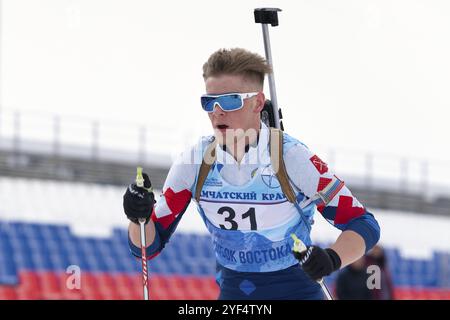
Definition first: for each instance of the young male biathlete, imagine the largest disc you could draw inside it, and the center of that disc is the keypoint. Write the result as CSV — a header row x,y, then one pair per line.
x,y
254,187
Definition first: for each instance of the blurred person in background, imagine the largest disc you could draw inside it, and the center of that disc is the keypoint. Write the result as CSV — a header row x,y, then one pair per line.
x,y
351,282
377,257
260,187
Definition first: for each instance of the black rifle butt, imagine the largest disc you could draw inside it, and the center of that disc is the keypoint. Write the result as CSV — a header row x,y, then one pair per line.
x,y
267,16
267,115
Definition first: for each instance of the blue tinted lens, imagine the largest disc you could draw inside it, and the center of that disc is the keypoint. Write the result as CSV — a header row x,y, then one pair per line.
x,y
208,103
229,102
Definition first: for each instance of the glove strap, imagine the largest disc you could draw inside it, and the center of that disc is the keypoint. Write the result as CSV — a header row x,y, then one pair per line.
x,y
335,258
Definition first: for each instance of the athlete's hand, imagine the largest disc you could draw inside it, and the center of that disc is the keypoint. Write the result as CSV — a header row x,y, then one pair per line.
x,y
138,202
317,262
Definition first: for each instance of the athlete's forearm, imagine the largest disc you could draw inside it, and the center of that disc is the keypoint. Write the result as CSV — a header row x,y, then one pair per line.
x,y
135,233
350,246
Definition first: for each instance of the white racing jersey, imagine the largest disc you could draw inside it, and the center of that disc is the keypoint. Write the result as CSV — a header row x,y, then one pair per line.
x,y
245,210
250,219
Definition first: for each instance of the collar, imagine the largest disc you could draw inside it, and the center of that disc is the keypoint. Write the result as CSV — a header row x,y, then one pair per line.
x,y
247,146
253,153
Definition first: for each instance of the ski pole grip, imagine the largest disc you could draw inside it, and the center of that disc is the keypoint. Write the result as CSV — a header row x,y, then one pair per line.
x,y
139,177
267,16
299,246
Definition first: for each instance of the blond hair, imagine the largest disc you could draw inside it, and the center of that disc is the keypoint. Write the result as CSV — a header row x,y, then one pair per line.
x,y
237,61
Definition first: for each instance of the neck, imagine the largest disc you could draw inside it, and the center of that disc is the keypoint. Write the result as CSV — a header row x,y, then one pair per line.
x,y
242,143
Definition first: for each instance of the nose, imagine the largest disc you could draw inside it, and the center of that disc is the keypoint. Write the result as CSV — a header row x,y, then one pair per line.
x,y
218,110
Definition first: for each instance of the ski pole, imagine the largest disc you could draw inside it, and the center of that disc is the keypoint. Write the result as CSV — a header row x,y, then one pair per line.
x,y
140,183
300,247
267,16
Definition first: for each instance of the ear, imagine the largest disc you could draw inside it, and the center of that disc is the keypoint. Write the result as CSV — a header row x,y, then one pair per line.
x,y
260,100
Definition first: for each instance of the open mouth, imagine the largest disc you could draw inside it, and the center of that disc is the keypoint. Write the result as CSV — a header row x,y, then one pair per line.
x,y
222,127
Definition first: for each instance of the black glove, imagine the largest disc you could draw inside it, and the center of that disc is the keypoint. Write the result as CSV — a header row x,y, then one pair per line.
x,y
138,202
317,262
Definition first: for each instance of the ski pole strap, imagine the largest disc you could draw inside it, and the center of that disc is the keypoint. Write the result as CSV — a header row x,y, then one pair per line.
x,y
278,166
208,159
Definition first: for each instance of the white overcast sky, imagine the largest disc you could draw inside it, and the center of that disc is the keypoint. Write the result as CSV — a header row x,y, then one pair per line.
x,y
366,75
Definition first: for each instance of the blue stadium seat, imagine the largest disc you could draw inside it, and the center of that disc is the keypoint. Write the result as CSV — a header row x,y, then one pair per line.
x,y
75,258
50,233
392,256
34,231
8,267
416,280
23,261
401,280
3,236
41,263
115,263
175,267
206,270
91,263
64,255
87,245
193,250
166,255
58,263
112,264
121,255
62,233
8,272
418,267
134,265
188,269
207,250
156,267
431,279
72,247
101,262
6,249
